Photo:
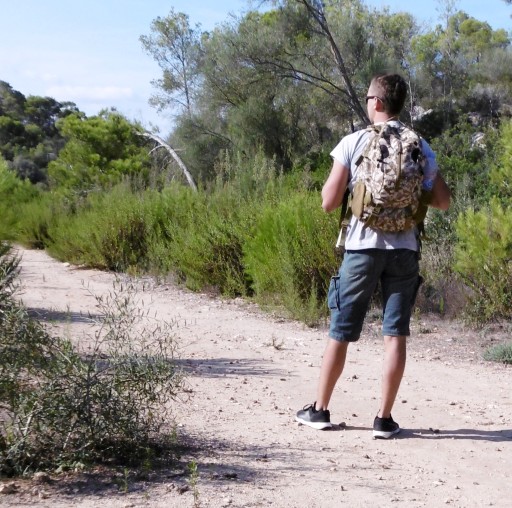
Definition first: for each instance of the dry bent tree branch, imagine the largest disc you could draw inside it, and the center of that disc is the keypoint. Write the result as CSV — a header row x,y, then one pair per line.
x,y
175,156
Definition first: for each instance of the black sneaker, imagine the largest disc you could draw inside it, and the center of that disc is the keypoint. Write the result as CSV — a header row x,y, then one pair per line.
x,y
318,419
384,428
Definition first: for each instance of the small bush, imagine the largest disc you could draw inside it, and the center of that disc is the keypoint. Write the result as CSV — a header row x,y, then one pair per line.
x,y
106,401
38,218
443,291
483,256
500,353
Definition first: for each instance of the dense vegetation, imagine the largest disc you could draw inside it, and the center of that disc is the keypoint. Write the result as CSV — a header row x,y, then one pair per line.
x,y
102,400
259,102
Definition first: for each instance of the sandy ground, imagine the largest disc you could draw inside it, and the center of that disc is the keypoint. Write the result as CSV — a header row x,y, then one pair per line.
x,y
249,373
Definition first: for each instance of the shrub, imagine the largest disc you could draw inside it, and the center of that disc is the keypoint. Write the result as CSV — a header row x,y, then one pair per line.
x,y
500,353
107,401
442,290
206,245
464,162
501,172
38,217
108,231
8,272
483,255
14,193
291,257
205,233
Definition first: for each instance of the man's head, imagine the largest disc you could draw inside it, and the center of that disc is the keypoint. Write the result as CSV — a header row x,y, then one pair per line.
x,y
390,90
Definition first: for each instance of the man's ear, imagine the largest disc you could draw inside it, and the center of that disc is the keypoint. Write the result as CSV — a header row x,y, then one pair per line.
x,y
379,106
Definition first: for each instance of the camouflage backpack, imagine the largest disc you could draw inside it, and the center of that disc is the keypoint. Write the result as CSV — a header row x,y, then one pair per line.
x,y
387,194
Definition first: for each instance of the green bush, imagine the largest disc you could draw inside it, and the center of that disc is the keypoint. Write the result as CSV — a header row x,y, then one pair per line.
x,y
109,231
483,259
38,217
463,162
105,400
206,245
501,172
443,291
291,256
500,353
14,194
205,233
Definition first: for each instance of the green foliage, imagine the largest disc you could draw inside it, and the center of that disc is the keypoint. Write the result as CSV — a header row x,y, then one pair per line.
x,y
38,217
8,273
106,401
501,353
290,257
483,259
14,194
466,163
108,231
501,173
484,245
100,152
217,225
28,135
216,230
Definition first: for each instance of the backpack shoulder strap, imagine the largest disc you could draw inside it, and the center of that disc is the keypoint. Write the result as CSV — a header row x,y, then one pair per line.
x,y
375,131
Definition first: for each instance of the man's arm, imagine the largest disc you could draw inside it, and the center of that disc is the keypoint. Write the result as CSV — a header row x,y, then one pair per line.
x,y
441,195
335,186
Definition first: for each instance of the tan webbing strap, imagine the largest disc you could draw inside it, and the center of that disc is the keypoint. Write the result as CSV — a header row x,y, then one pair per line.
x,y
345,216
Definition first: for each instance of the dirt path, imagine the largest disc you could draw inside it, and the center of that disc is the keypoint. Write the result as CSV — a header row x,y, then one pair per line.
x,y
250,372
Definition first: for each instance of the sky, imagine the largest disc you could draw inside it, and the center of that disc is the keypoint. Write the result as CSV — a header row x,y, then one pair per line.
x,y
88,51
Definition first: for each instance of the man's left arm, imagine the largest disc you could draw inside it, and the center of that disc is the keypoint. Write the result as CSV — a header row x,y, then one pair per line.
x,y
441,195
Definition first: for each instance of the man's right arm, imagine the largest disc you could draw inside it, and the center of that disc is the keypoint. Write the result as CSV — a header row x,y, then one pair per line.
x,y
335,186
440,192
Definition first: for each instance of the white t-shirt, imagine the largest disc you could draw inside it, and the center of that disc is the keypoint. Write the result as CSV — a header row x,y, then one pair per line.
x,y
358,236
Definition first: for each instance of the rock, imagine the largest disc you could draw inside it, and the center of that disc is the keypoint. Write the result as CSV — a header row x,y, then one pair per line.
x,y
41,477
477,140
9,488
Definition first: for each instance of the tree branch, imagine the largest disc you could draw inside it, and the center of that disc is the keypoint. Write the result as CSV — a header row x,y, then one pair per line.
x,y
175,156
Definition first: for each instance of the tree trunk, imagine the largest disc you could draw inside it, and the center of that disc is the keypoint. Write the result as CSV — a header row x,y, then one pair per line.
x,y
316,9
175,156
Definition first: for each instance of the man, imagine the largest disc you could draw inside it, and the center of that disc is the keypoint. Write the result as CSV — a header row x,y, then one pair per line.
x,y
371,255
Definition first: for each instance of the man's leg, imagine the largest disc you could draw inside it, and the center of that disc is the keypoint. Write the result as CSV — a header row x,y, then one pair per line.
x,y
400,281
333,363
348,299
317,415
392,373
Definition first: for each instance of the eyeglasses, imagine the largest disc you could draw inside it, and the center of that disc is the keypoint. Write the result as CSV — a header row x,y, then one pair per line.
x,y
368,97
